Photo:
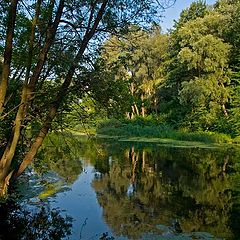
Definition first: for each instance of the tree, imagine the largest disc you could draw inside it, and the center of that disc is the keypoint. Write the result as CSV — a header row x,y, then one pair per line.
x,y
206,57
11,17
198,63
136,59
174,71
231,35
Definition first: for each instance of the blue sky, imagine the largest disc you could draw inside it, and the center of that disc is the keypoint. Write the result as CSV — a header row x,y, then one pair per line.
x,y
174,12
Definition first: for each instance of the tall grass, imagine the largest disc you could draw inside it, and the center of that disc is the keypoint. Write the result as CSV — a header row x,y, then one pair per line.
x,y
142,128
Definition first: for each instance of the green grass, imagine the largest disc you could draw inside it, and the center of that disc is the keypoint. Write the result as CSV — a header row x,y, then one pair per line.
x,y
145,130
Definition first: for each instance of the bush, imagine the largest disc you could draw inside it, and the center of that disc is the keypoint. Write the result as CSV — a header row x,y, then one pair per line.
x,y
147,128
109,123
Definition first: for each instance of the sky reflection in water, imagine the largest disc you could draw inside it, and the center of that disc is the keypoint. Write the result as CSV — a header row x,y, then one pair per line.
x,y
81,203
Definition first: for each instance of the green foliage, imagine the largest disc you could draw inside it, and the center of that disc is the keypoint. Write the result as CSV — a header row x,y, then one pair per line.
x,y
136,60
197,9
198,90
188,79
235,102
145,128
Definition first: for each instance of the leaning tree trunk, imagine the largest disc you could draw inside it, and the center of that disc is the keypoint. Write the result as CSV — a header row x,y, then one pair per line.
x,y
4,170
61,94
7,53
26,96
54,107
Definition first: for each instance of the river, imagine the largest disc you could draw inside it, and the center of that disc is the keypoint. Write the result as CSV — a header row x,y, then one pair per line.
x,y
107,189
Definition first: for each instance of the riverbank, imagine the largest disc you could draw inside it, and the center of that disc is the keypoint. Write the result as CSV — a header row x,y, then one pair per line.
x,y
145,131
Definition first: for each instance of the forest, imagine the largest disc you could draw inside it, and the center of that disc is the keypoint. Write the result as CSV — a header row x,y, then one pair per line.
x,y
185,80
108,65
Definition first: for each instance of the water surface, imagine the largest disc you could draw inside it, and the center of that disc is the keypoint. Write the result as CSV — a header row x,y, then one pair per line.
x,y
101,189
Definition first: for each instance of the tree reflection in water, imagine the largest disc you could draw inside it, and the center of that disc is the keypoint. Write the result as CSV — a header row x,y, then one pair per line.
x,y
60,154
145,191
152,189
40,222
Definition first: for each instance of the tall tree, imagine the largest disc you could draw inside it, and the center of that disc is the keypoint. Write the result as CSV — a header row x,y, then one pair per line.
x,y
198,68
136,59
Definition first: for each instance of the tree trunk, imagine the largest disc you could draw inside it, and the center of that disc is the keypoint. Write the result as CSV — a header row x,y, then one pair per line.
x,y
143,110
143,107
223,103
128,115
27,91
61,94
12,144
7,53
224,110
136,109
155,105
4,182
51,32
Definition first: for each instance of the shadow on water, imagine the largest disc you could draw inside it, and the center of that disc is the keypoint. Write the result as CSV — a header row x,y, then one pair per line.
x,y
124,190
19,222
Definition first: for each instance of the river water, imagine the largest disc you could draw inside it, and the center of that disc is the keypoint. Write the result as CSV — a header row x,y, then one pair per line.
x,y
102,189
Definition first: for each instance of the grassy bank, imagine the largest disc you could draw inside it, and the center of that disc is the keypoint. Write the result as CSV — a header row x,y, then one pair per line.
x,y
144,129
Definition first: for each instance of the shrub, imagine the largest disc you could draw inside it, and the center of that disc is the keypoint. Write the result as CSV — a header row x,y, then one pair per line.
x,y
145,128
